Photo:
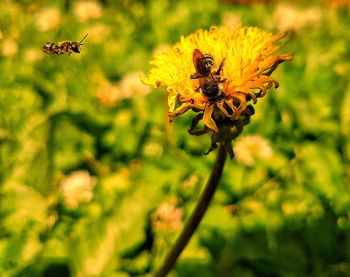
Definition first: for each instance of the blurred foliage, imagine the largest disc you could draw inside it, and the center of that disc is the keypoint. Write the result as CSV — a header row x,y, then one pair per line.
x,y
91,183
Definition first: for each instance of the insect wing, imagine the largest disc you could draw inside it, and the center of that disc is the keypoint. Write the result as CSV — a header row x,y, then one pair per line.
x,y
198,62
47,47
64,42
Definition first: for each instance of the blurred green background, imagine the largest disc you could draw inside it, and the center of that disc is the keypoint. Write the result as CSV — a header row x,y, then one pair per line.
x,y
95,182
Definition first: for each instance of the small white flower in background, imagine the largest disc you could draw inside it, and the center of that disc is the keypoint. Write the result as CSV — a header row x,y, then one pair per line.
x,y
289,18
9,48
107,93
312,15
153,149
129,86
231,19
251,149
32,55
77,188
86,10
48,19
167,217
98,32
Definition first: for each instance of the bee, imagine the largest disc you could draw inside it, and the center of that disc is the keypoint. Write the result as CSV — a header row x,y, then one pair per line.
x,y
209,82
61,48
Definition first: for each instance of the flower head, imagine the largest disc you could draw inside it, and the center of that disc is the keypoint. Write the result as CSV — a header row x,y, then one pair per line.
x,y
249,56
167,217
289,18
8,48
130,86
251,149
86,10
77,188
235,64
48,19
32,55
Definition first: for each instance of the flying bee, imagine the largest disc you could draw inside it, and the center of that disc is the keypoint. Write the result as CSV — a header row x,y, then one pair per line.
x,y
209,82
63,47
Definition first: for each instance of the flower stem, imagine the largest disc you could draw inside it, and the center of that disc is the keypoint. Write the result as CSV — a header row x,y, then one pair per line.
x,y
196,216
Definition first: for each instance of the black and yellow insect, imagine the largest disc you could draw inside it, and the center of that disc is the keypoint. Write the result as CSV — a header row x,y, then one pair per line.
x,y
64,47
208,81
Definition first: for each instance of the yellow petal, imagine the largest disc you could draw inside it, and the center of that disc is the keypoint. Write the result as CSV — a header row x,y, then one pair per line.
x,y
208,119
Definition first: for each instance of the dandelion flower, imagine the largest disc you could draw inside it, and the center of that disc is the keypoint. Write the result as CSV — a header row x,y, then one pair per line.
x,y
247,56
216,73
250,59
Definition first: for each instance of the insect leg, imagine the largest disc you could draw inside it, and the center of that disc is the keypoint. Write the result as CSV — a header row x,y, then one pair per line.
x,y
217,72
195,122
199,132
196,76
212,148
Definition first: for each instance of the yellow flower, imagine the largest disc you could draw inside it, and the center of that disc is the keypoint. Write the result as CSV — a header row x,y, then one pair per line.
x,y
8,48
249,56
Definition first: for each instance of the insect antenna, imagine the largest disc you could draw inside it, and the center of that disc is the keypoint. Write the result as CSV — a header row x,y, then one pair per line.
x,y
80,43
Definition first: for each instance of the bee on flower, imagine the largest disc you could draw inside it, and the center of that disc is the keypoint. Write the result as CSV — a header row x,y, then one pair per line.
x,y
218,73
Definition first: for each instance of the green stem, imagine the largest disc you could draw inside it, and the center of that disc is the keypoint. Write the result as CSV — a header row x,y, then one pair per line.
x,y
196,216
